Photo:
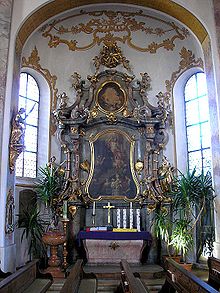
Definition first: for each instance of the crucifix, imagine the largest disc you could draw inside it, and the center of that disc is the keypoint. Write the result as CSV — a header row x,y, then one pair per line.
x,y
109,207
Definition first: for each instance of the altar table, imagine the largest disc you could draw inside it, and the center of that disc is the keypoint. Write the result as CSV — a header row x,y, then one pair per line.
x,y
112,247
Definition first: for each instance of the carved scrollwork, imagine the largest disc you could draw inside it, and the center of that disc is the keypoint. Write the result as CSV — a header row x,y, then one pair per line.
x,y
105,26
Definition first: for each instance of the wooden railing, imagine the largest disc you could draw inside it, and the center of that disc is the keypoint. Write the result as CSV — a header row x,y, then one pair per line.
x,y
180,280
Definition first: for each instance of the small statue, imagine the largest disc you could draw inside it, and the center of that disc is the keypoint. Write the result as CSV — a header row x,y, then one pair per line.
x,y
165,174
16,138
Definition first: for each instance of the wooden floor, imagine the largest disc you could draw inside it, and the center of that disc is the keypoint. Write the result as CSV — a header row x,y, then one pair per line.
x,y
108,277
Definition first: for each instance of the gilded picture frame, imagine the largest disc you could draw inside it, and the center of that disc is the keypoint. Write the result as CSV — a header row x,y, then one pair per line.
x,y
110,97
112,174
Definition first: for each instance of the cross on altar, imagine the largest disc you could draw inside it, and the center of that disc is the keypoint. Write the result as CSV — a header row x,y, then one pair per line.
x,y
109,207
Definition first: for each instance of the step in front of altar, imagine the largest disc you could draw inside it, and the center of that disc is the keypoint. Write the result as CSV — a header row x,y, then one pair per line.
x,y
106,271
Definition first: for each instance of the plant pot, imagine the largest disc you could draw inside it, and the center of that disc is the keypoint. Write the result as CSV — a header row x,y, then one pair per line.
x,y
176,258
187,266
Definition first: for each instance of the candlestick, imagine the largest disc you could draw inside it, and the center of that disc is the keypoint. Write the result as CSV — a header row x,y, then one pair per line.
x,y
65,264
65,209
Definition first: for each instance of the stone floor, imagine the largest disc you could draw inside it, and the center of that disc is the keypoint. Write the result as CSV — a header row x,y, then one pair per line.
x,y
108,277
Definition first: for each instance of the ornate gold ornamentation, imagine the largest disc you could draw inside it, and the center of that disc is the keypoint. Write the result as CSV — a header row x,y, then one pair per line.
x,y
16,144
93,113
74,130
111,118
9,218
139,166
188,61
33,61
113,26
111,56
72,210
85,166
113,245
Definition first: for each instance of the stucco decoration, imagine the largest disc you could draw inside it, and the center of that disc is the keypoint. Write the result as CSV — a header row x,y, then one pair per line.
x,y
188,60
114,26
33,61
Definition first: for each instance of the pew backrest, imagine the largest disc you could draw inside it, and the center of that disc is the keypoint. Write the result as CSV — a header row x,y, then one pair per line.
x,y
79,282
73,280
22,279
180,280
130,284
214,272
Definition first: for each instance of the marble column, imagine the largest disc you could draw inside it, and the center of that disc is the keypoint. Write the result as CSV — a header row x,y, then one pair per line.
x,y
7,246
213,73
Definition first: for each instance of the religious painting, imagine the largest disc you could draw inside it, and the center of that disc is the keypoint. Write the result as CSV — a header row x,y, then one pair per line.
x,y
112,174
111,97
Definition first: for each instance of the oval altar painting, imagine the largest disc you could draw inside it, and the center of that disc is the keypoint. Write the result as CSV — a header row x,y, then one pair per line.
x,y
112,174
111,97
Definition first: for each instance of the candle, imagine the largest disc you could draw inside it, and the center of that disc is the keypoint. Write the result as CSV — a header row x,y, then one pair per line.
x,y
118,218
65,209
93,208
131,216
138,220
124,219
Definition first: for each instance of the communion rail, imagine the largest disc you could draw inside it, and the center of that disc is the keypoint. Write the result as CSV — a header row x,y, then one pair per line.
x,y
180,280
79,282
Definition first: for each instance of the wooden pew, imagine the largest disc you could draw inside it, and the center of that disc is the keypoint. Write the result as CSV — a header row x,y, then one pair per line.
x,y
180,280
78,281
214,272
27,279
129,283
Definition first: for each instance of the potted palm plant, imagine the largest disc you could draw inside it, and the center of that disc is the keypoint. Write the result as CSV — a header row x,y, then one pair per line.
x,y
191,194
33,228
48,187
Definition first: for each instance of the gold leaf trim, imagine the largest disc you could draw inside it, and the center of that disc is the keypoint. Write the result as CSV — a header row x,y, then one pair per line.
x,y
188,61
33,61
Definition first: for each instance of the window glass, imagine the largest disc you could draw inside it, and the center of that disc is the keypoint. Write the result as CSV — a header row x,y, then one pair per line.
x,y
29,95
197,123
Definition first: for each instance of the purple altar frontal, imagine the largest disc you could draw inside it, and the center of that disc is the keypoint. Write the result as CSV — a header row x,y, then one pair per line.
x,y
110,247
109,235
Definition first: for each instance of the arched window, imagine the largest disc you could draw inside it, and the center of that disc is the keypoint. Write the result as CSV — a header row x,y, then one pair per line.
x,y
29,96
197,123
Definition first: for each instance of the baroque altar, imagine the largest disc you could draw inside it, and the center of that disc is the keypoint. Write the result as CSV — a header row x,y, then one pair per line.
x,y
112,140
